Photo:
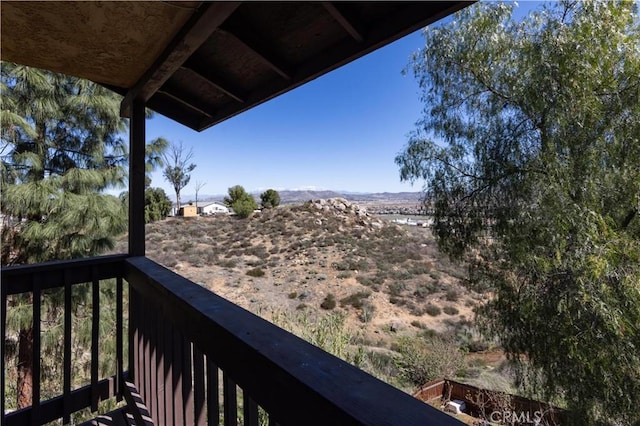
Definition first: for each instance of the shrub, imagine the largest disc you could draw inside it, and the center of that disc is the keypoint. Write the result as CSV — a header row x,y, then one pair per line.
x,y
433,310
374,281
423,290
397,301
419,270
415,309
382,364
255,272
368,310
396,288
257,251
329,302
420,362
477,345
292,295
244,208
327,331
228,263
418,324
450,310
402,275
356,299
452,296
351,265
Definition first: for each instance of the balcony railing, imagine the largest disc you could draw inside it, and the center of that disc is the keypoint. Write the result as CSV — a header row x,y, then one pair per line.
x,y
32,282
195,358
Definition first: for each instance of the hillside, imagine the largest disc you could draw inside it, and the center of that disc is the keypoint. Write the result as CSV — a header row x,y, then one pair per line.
x,y
374,293
302,261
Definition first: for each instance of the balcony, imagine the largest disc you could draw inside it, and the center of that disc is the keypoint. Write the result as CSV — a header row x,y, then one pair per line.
x,y
184,355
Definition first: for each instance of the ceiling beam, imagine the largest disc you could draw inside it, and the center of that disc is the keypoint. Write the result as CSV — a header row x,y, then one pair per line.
x,y
195,32
188,101
216,81
257,45
406,20
348,23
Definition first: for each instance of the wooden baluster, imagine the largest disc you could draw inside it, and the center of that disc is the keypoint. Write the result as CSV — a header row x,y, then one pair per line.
x,y
230,399
198,386
95,340
35,372
66,385
213,394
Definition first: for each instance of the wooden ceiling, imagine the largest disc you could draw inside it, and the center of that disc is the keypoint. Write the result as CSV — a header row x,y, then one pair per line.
x,y
200,63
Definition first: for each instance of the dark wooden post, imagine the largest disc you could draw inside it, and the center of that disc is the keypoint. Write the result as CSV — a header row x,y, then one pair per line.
x,y
136,215
136,178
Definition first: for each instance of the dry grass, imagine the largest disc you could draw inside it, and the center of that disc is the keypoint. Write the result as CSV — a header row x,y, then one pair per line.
x,y
387,281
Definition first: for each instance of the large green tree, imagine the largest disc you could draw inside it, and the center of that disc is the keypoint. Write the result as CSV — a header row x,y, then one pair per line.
x,y
157,205
61,148
270,199
530,152
242,203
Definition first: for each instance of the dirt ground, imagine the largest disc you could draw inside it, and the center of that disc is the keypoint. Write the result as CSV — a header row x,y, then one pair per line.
x,y
302,258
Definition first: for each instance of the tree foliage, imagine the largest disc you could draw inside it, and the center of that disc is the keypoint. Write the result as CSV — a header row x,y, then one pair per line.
x,y
422,361
157,205
270,199
530,150
242,203
61,147
154,157
178,168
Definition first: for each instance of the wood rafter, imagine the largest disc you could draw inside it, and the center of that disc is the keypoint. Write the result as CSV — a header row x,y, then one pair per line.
x,y
195,32
216,81
350,24
189,101
254,43
342,53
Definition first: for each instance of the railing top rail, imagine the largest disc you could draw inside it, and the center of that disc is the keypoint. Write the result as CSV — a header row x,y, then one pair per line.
x,y
61,264
293,380
20,278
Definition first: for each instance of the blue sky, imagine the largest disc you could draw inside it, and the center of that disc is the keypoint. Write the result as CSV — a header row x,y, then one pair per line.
x,y
341,131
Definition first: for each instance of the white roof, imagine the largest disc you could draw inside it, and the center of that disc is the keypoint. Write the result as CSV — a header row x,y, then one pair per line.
x,y
212,203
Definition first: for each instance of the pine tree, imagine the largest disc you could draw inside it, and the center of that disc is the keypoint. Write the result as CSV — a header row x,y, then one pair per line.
x,y
242,203
270,199
61,147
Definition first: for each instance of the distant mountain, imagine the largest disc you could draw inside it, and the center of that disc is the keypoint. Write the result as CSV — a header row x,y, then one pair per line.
x,y
300,196
288,197
391,197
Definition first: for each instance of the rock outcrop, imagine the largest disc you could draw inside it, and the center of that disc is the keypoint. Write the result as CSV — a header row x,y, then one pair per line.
x,y
351,214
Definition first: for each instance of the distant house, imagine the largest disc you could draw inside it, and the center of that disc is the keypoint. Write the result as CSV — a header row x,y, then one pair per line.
x,y
212,208
188,211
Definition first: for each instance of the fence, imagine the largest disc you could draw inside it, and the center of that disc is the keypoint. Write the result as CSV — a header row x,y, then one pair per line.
x,y
481,402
